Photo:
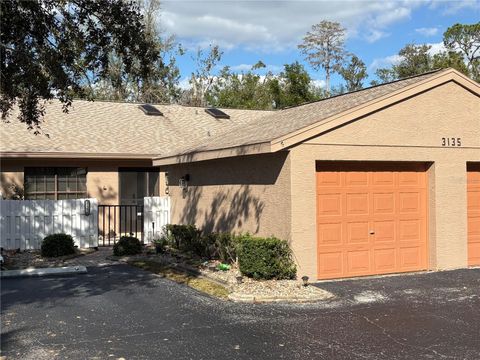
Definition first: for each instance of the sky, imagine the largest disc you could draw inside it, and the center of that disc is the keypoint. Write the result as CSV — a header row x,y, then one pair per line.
x,y
249,31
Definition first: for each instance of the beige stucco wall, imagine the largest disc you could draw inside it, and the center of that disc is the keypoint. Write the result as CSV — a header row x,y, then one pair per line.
x,y
102,175
242,194
408,131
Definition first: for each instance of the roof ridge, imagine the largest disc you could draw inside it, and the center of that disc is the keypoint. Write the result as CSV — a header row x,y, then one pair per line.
x,y
126,102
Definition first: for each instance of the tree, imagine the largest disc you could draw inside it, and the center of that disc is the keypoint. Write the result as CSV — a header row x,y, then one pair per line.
x,y
354,73
384,75
324,47
295,85
202,78
57,48
415,60
247,90
162,84
450,59
466,40
250,90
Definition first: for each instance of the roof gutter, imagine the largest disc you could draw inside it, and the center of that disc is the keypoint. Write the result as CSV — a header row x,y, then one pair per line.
x,y
213,154
73,155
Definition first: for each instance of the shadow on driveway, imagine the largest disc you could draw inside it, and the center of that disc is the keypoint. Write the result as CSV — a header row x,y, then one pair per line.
x,y
120,311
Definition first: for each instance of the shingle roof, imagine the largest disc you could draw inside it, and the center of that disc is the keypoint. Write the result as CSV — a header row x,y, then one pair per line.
x,y
122,128
279,123
117,128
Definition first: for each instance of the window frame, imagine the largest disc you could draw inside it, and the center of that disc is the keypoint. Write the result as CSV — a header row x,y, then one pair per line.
x,y
56,173
147,171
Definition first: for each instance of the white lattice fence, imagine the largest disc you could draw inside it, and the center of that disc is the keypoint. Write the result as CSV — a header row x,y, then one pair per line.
x,y
156,214
24,223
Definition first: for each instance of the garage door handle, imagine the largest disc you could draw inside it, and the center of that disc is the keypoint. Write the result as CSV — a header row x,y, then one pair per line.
x,y
372,232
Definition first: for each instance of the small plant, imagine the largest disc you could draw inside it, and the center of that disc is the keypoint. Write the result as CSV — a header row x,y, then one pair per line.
x,y
186,238
57,245
222,246
265,258
127,245
160,244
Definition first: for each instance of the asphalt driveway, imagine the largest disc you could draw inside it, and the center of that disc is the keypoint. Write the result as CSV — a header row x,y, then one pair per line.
x,y
122,312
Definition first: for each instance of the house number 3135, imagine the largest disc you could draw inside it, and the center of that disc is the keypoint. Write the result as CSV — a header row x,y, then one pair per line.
x,y
451,141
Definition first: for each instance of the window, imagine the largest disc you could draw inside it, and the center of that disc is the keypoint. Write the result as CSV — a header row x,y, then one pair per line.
x,y
137,183
55,183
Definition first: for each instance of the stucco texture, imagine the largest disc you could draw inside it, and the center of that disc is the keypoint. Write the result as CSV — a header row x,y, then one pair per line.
x,y
411,130
242,194
102,176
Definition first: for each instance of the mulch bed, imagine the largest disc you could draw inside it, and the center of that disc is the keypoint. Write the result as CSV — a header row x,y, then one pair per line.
x,y
248,290
16,260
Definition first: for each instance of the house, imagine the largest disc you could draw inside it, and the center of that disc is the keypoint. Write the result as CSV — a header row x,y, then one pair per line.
x,y
381,180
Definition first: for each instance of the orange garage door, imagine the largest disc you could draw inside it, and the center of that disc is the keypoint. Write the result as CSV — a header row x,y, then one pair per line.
x,y
371,219
473,213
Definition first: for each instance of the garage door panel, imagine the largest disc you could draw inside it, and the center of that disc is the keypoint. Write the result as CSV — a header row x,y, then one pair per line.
x,y
474,229
384,260
411,258
410,230
357,204
384,231
329,179
379,221
384,203
410,202
331,264
330,204
357,233
408,179
474,253
473,214
358,262
473,203
383,178
330,234
354,178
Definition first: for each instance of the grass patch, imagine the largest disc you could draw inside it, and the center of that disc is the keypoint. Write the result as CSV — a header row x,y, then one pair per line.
x,y
197,283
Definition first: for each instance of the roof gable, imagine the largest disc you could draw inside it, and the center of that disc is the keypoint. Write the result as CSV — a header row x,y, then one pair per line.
x,y
286,128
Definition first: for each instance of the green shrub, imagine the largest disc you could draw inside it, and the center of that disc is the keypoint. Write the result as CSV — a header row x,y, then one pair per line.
x,y
265,258
160,243
57,245
186,238
221,246
127,245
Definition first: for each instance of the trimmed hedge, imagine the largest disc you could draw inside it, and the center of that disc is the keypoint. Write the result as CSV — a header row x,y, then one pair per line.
x,y
265,258
127,245
57,245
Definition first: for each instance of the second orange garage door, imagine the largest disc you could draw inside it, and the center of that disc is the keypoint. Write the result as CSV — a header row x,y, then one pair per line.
x,y
473,212
371,219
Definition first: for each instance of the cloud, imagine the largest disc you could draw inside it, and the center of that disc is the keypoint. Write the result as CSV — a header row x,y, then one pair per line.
x,y
319,83
376,35
385,62
248,67
427,31
392,16
436,48
272,26
453,7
